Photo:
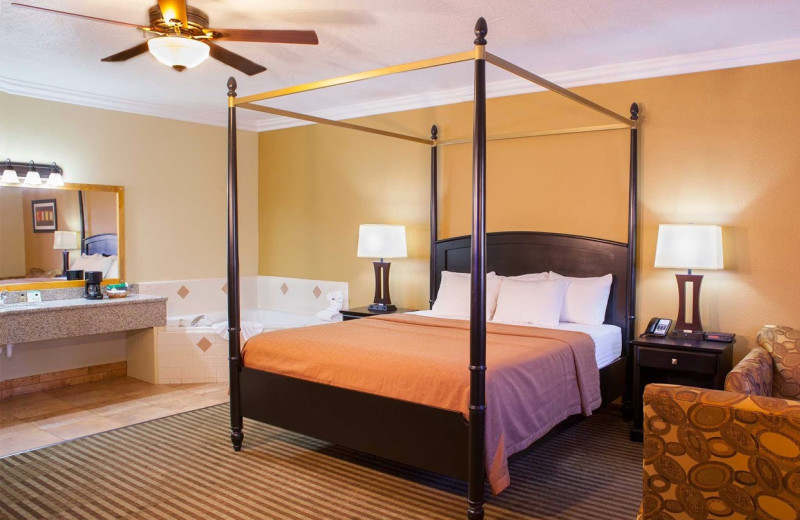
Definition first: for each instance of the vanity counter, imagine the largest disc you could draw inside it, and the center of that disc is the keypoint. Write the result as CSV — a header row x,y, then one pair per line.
x,y
23,322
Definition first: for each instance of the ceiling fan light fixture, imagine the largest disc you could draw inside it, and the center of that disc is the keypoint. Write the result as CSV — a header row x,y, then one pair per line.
x,y
178,52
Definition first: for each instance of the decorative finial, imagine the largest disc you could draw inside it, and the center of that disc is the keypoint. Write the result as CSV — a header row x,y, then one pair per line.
x,y
481,29
434,133
634,112
231,87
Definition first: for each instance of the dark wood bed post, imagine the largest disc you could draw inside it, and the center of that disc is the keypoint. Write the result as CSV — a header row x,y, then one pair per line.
x,y
633,204
434,211
477,351
234,351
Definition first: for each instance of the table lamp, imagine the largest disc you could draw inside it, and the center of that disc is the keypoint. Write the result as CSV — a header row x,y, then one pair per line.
x,y
65,240
689,247
381,241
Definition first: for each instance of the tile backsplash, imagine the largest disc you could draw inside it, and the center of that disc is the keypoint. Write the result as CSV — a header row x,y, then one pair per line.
x,y
208,295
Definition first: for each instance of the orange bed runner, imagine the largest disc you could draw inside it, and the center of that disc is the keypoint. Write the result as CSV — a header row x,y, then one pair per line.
x,y
535,379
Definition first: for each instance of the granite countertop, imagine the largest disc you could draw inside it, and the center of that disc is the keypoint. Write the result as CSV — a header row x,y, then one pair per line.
x,y
75,303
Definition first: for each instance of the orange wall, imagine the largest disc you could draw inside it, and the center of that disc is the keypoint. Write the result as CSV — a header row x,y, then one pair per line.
x,y
716,147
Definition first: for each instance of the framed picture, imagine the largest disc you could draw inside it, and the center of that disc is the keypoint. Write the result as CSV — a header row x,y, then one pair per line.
x,y
45,219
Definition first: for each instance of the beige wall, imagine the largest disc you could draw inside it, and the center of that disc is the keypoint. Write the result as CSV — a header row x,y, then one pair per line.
x,y
716,147
12,236
174,174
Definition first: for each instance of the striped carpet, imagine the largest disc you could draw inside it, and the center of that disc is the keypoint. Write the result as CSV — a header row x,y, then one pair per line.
x,y
182,467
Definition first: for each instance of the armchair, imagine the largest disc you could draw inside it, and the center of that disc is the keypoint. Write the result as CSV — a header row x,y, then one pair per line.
x,y
732,454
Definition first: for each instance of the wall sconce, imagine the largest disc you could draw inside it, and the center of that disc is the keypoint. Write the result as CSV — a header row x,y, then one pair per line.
x,y
34,173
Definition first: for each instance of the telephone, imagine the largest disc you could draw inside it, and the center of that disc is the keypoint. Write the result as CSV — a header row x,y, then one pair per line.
x,y
658,327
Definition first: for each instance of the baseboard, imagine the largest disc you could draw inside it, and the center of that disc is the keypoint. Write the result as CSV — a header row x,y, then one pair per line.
x,y
62,378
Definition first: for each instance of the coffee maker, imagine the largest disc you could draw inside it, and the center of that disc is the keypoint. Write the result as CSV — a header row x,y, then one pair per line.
x,y
93,291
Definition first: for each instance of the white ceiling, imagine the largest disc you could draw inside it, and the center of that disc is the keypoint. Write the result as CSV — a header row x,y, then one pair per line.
x,y
572,42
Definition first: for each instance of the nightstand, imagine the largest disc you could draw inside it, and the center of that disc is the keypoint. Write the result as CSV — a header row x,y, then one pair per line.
x,y
364,312
679,362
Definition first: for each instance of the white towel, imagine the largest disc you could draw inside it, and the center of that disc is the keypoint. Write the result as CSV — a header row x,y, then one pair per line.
x,y
249,329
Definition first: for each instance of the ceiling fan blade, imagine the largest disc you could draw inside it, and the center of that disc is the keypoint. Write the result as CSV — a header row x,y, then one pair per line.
x,y
173,10
268,36
85,17
128,53
236,61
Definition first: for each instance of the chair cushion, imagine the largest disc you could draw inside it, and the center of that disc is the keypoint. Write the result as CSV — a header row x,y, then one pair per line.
x,y
783,344
752,375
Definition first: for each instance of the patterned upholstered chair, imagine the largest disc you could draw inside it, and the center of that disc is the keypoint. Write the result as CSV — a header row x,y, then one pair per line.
x,y
734,454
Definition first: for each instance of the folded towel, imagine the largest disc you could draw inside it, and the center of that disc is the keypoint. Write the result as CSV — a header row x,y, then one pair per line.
x,y
249,329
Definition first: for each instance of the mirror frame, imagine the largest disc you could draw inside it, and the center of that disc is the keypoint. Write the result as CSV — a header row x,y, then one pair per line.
x,y
59,284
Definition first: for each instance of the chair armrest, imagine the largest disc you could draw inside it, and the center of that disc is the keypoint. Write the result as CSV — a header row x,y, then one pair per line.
x,y
752,375
715,454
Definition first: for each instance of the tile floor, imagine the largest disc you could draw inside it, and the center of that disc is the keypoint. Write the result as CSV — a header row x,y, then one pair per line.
x,y
35,420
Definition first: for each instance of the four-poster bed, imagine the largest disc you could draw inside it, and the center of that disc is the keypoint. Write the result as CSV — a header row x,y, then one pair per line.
x,y
418,434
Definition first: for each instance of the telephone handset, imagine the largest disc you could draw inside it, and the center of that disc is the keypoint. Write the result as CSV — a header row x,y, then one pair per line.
x,y
658,327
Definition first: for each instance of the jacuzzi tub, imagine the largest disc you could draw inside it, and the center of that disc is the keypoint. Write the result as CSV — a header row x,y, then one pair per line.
x,y
187,354
271,320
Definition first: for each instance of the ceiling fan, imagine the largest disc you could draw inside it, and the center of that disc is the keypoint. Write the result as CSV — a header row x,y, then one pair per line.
x,y
182,38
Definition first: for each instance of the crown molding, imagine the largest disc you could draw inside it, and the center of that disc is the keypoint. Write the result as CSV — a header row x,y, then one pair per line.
x,y
783,50
76,97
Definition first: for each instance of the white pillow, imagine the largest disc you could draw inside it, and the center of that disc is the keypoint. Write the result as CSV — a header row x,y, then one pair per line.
x,y
530,302
586,299
96,262
453,298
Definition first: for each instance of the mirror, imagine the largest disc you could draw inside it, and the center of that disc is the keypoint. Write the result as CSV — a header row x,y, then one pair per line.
x,y
32,239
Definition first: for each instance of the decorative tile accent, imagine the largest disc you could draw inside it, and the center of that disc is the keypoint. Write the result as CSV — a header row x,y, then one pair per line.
x,y
317,291
284,288
225,288
183,292
204,344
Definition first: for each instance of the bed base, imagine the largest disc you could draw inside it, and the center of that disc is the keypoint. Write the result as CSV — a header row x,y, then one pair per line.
x,y
434,439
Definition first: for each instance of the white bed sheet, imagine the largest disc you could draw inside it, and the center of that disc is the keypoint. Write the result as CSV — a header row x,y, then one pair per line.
x,y
607,338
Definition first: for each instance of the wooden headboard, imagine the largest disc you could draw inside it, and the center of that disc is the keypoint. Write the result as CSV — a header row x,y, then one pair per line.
x,y
104,244
512,253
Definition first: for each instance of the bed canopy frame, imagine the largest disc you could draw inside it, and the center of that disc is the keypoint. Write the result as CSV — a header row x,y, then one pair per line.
x,y
477,240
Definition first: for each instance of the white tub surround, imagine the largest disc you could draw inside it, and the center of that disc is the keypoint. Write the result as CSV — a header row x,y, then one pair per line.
x,y
199,354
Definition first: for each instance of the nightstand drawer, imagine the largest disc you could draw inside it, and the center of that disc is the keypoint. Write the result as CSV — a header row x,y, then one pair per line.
x,y
697,362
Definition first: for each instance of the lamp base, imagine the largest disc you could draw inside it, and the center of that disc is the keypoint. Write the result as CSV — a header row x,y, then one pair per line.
x,y
382,307
691,335
65,262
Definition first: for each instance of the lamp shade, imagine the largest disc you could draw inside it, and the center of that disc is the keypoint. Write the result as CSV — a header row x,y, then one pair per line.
x,y
381,241
689,246
65,240
178,52
33,178
9,176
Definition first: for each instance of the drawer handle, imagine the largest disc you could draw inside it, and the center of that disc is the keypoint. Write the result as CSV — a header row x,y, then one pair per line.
x,y
674,361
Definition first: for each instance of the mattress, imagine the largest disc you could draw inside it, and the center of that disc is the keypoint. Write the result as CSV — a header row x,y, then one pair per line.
x,y
607,338
537,377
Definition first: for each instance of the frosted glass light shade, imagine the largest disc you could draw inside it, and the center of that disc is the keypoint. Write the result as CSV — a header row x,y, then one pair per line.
x,y
381,241
55,179
178,51
10,176
65,240
33,178
689,246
